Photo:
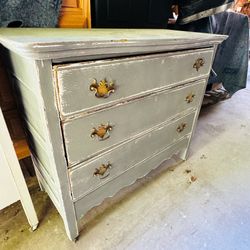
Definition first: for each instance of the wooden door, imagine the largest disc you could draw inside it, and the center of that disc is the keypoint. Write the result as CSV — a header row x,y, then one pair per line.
x,y
75,14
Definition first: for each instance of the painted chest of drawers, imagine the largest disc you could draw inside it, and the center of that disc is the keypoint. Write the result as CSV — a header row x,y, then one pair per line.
x,y
103,108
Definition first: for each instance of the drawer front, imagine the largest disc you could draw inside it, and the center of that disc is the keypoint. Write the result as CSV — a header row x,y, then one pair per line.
x,y
126,121
87,177
120,79
140,170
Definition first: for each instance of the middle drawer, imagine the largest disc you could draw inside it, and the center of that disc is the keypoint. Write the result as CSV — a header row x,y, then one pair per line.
x,y
88,136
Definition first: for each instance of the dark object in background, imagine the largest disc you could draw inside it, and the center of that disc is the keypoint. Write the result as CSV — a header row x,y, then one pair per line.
x,y
231,60
29,13
192,10
194,15
130,13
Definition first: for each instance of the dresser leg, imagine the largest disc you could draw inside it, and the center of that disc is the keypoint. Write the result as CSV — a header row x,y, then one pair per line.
x,y
183,154
72,231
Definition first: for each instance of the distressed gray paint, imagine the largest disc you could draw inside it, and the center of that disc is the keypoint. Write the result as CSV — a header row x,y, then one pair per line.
x,y
82,179
154,71
138,171
44,184
30,54
33,111
40,151
56,146
67,43
24,69
127,120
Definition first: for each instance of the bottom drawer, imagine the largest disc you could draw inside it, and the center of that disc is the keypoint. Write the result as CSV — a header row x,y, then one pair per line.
x,y
89,176
129,177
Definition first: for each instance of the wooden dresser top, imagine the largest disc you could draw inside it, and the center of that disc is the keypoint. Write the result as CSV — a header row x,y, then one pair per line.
x,y
63,43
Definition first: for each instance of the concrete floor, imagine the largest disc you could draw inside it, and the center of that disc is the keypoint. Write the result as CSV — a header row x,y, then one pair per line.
x,y
164,210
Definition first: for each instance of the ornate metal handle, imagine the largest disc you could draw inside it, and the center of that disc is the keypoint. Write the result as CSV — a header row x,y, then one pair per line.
x,y
181,127
102,132
102,89
199,63
190,97
102,171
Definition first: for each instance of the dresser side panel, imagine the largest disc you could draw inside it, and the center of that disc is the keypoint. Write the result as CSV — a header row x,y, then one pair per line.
x,y
31,107
37,78
48,93
23,68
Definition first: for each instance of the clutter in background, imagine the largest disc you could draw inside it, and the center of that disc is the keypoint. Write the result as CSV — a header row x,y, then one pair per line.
x,y
242,6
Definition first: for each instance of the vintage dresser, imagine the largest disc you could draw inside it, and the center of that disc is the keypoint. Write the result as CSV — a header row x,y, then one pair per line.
x,y
103,108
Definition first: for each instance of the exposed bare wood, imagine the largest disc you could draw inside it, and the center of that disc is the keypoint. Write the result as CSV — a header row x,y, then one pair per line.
x,y
22,149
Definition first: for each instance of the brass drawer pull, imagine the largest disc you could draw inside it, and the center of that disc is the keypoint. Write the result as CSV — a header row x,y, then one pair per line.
x,y
102,171
190,98
181,127
198,64
102,89
102,132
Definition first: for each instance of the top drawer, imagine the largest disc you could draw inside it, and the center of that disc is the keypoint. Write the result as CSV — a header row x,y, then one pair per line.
x,y
134,76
